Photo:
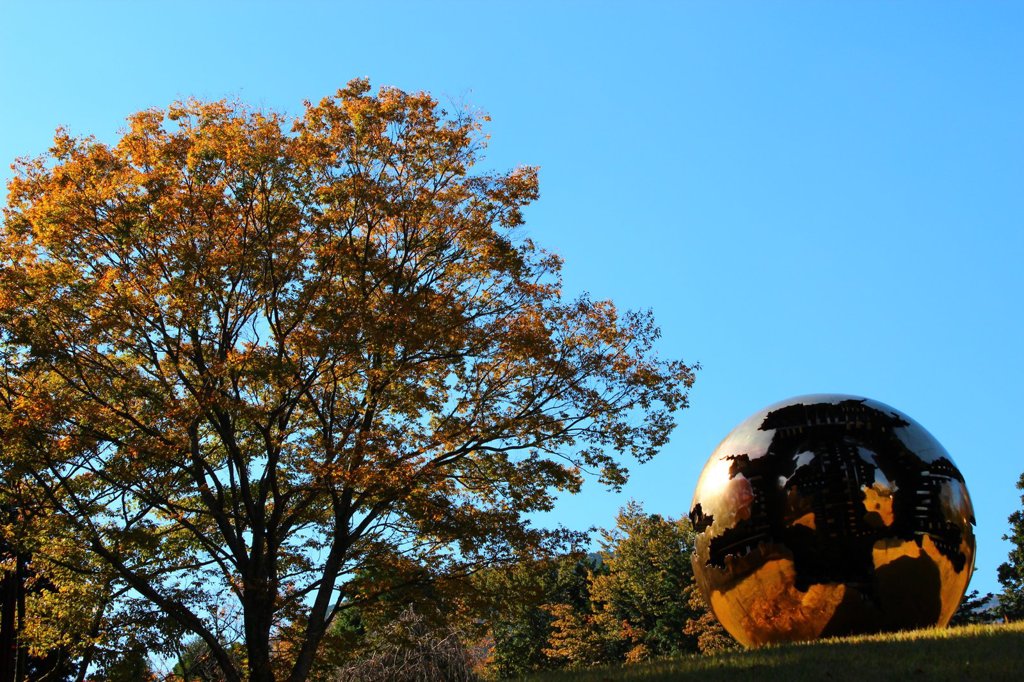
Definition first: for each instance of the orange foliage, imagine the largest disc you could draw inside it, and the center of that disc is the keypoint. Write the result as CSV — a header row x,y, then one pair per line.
x,y
248,357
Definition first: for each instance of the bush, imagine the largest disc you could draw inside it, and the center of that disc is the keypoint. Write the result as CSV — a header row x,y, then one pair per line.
x,y
410,650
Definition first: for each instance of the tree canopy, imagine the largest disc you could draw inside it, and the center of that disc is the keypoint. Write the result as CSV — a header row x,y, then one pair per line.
x,y
245,358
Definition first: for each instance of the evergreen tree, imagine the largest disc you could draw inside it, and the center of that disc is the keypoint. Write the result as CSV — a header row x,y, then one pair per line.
x,y
520,615
975,608
639,602
644,599
131,666
1011,573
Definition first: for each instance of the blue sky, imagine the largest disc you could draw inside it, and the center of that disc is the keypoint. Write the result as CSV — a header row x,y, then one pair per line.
x,y
812,197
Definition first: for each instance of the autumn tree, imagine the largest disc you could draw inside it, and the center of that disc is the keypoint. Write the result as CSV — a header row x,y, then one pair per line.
x,y
703,627
35,645
578,639
71,616
243,357
1011,573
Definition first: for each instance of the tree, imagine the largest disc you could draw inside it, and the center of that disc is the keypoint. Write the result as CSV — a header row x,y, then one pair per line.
x,y
131,666
410,649
1011,573
975,608
50,627
518,609
644,595
243,360
70,615
578,639
709,634
379,599
194,664
639,602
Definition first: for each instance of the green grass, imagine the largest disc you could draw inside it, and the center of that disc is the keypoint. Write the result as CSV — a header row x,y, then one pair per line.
x,y
976,652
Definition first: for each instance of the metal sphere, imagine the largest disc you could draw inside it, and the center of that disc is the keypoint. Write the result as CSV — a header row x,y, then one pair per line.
x,y
828,515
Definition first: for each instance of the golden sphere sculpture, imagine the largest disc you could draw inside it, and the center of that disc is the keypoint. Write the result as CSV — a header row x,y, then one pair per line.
x,y
828,515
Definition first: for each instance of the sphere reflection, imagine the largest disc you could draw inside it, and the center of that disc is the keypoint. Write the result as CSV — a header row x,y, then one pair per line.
x,y
830,515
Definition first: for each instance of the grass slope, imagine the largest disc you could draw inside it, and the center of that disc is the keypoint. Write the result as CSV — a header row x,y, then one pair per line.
x,y
977,652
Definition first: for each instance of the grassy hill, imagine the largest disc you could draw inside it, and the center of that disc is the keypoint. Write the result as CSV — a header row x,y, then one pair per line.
x,y
977,652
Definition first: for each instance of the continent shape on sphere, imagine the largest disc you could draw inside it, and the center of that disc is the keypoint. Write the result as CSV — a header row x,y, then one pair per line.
x,y
828,515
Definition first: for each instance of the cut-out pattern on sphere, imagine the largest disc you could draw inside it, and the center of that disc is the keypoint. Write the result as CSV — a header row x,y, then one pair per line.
x,y
829,515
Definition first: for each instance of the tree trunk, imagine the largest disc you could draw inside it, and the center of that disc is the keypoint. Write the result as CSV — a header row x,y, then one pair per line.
x,y
8,620
258,605
21,568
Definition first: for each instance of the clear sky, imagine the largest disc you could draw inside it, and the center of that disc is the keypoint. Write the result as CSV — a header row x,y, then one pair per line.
x,y
811,196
